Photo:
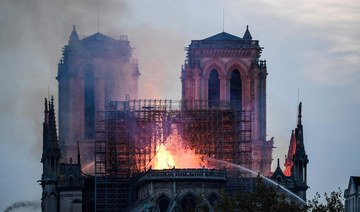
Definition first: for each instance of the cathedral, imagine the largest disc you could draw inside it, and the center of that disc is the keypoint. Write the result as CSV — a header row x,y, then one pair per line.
x,y
119,141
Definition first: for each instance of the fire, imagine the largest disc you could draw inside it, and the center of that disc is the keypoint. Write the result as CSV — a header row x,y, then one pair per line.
x,y
89,168
164,158
173,153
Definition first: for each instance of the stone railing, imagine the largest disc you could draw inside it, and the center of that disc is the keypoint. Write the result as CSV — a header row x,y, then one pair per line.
x,y
184,174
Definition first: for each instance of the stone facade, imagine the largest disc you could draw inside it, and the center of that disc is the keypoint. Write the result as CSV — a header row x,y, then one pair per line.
x,y
223,76
92,72
352,195
227,68
178,189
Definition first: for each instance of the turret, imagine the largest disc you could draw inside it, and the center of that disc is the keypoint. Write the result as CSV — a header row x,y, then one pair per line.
x,y
50,159
247,35
73,36
51,151
300,160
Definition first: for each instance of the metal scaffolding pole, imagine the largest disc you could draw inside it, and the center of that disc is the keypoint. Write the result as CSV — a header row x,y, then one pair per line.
x,y
128,133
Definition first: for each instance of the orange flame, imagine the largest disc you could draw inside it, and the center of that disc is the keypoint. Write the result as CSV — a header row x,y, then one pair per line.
x,y
173,153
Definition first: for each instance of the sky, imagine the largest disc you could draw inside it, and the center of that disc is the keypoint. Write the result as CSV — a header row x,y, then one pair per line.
x,y
311,48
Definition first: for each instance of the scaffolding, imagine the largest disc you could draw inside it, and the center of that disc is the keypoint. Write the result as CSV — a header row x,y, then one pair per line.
x,y
128,132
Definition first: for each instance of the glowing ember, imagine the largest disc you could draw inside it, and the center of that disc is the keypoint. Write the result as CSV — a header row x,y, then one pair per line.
x,y
173,153
289,159
89,168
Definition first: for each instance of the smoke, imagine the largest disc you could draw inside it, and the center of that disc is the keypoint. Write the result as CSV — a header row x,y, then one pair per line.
x,y
23,204
32,36
34,31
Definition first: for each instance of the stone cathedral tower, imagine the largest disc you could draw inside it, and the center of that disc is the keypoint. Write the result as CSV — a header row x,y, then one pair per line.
x,y
226,69
93,71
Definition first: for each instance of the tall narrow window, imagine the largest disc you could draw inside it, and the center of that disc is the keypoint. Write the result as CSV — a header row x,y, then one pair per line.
x,y
109,88
188,203
214,89
235,89
89,101
163,203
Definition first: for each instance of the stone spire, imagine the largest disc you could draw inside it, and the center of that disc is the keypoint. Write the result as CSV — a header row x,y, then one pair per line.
x,y
50,140
300,148
247,35
300,160
50,159
73,36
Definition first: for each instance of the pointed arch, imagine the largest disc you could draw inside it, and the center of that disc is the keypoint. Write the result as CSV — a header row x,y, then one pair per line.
x,y
163,203
85,67
213,64
188,202
238,64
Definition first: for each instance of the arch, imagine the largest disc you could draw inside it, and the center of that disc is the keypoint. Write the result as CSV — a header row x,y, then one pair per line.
x,y
188,203
89,104
213,64
84,67
163,203
238,64
236,89
213,88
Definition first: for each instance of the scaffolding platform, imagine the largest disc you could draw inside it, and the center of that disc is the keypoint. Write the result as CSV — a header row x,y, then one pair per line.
x,y
128,132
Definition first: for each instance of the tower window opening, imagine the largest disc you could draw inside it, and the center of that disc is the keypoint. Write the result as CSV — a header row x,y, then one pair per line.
x,y
109,87
214,89
164,203
235,89
188,203
89,105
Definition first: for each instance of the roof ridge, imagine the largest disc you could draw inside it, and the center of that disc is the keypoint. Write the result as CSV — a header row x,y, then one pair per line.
x,y
223,36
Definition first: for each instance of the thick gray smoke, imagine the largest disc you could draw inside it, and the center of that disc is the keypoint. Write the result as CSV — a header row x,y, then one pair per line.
x,y
324,60
23,204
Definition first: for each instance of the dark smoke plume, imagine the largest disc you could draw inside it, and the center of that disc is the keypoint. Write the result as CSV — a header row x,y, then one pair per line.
x,y
23,204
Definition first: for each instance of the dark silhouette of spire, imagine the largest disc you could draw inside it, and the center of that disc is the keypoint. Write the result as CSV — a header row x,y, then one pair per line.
x,y
299,114
50,140
300,149
300,158
247,35
74,36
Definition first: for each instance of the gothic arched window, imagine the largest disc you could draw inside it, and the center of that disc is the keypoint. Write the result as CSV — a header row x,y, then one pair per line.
x,y
214,89
235,89
163,203
109,87
188,203
89,105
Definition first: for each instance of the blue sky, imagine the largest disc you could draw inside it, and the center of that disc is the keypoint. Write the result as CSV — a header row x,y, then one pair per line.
x,y
310,46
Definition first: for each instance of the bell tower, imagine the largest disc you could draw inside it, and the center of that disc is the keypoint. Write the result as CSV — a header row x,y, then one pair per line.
x,y
226,71
92,72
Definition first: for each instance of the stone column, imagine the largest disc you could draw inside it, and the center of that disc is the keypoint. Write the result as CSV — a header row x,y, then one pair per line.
x,y
222,87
